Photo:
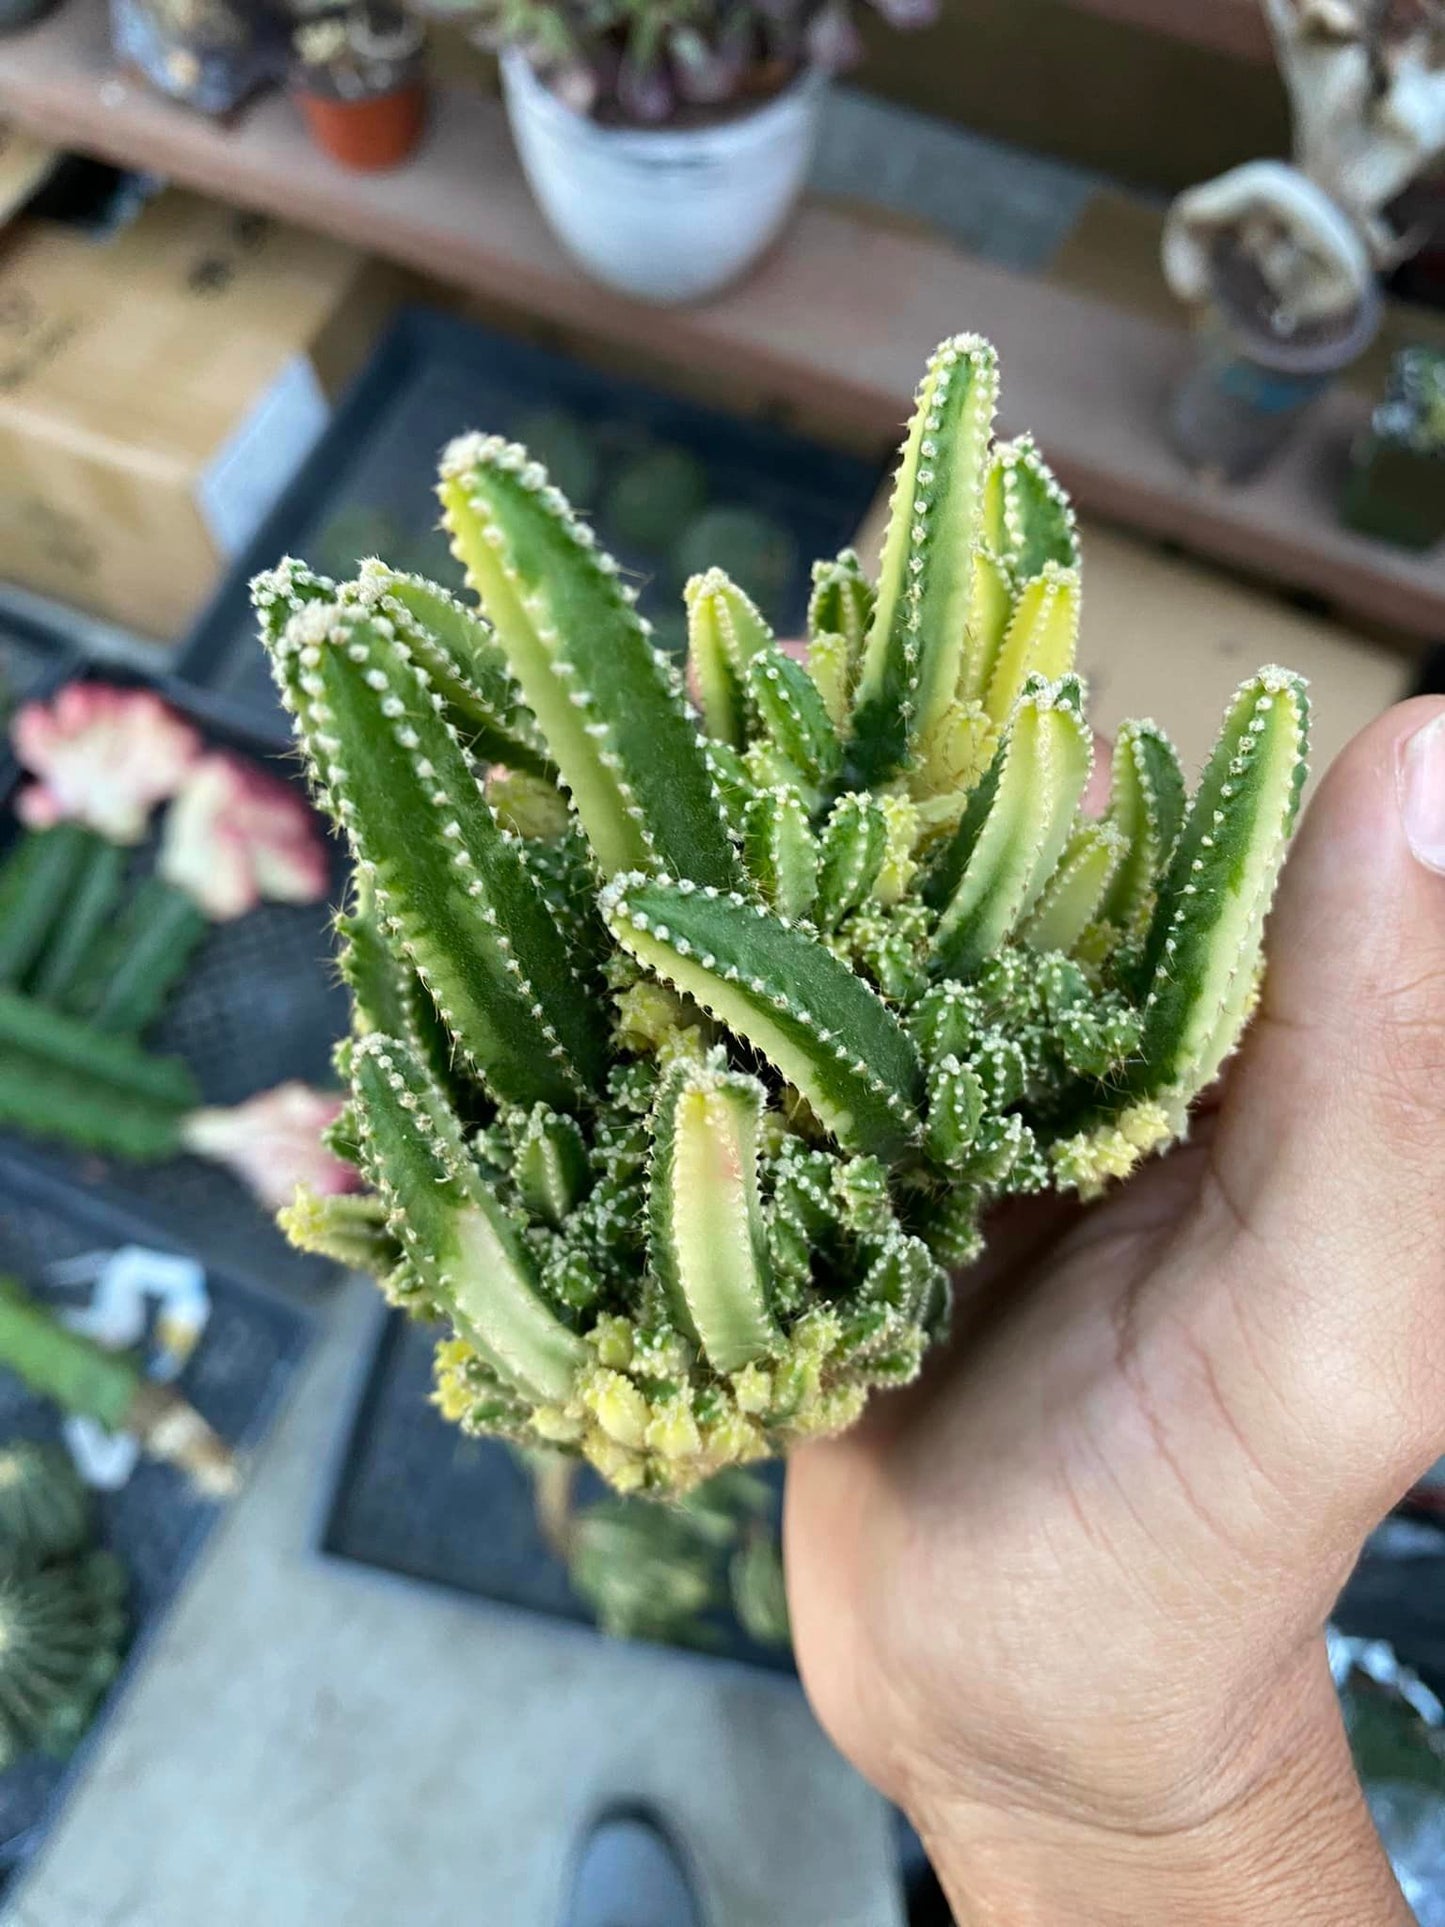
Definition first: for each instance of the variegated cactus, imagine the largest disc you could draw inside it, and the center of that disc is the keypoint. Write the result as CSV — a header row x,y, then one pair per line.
x,y
691,1050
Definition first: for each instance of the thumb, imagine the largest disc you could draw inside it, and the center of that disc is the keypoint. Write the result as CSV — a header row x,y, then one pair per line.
x,y
1330,1153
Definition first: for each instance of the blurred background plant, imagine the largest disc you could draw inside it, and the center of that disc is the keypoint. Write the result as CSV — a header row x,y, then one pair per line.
x,y
643,62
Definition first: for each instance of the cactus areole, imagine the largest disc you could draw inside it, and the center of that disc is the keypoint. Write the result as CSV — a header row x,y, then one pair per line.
x,y
681,1109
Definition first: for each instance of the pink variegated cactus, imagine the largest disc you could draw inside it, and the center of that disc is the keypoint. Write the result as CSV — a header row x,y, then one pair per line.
x,y
236,837
273,1142
104,758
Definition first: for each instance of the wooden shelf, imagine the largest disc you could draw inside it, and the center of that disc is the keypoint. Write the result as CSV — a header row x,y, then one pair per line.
x,y
835,323
1236,27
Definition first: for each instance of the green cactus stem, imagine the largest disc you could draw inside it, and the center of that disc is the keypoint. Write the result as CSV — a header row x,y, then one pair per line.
x,y
606,701
91,906
67,1045
684,1071
140,960
707,1237
37,880
459,897
44,1506
62,1633
88,1381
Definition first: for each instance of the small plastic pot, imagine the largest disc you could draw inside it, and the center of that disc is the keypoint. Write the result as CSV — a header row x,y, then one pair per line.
x,y
1245,392
371,134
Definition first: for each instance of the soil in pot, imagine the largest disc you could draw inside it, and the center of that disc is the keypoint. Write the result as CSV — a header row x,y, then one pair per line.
x,y
1252,377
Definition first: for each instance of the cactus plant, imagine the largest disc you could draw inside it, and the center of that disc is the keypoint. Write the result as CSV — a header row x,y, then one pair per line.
x,y
683,1112
678,1573
44,1506
645,61
62,1632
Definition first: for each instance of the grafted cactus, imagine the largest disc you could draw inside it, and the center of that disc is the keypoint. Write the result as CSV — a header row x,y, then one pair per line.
x,y
681,1096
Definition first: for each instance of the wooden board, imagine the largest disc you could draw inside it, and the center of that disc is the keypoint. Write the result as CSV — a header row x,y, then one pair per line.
x,y
835,323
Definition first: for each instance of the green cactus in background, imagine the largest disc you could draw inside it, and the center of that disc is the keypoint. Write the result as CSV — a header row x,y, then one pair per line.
x,y
62,1633
44,1506
682,1108
652,501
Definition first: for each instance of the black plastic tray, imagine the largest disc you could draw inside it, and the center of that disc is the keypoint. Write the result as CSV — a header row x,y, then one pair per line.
x,y
31,657
156,1523
262,1002
369,483
415,1498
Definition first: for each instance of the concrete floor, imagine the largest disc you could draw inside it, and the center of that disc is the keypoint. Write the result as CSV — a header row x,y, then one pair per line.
x,y
307,1747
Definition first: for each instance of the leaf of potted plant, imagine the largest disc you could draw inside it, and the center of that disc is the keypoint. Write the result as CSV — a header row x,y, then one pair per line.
x,y
668,140
357,76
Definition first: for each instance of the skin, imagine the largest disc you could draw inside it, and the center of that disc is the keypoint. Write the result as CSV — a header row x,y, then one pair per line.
x,y
1063,1600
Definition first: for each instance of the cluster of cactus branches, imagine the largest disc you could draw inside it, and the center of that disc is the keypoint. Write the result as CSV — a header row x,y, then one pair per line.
x,y
692,1042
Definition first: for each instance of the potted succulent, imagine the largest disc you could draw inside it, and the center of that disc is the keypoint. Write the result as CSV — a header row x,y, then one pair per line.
x,y
667,140
357,75
1281,260
1396,486
1286,298
682,1107
210,54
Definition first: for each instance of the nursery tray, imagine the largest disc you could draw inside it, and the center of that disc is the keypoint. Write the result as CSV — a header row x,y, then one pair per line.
x,y
369,485
31,657
415,1498
262,1002
156,1523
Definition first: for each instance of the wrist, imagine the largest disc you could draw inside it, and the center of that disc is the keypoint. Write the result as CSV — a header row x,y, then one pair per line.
x,y
1290,1839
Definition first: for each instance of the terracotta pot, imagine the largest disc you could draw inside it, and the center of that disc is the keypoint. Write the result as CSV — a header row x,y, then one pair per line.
x,y
368,135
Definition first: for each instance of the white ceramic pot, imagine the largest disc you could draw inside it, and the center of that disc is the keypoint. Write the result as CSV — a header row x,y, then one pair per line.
x,y
666,214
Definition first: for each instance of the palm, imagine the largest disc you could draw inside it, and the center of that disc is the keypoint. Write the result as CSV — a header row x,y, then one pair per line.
x,y
1061,1528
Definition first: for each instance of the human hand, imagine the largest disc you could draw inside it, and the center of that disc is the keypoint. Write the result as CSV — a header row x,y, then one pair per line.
x,y
1063,1600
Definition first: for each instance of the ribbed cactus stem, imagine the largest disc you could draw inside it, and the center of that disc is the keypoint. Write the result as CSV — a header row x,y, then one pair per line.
x,y
706,1231
725,632
453,888
1204,943
451,1226
770,982
1040,640
143,959
913,657
1146,806
88,911
36,882
1028,521
606,700
1073,898
1012,843
67,1044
